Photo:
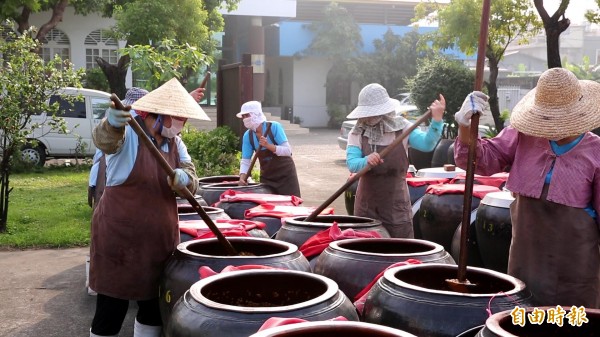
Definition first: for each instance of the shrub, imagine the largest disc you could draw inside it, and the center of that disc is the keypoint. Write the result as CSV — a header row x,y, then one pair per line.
x,y
95,79
213,152
449,77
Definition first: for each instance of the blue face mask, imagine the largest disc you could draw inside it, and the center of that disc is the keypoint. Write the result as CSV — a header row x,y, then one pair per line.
x,y
160,122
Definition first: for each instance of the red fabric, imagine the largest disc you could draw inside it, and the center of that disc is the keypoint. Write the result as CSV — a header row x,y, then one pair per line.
x,y
495,180
317,243
229,227
361,297
420,181
479,191
280,321
205,234
259,198
205,271
283,211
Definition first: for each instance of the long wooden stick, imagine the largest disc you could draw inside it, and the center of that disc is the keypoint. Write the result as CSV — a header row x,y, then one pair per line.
x,y
171,173
472,157
205,80
398,140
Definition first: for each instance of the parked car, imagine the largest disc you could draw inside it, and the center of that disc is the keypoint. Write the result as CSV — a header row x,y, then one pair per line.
x,y
409,112
81,116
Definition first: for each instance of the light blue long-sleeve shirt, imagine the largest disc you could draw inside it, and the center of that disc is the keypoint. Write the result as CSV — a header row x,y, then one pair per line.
x,y
120,164
418,139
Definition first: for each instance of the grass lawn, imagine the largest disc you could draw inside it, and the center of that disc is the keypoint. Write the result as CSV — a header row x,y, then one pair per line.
x,y
48,209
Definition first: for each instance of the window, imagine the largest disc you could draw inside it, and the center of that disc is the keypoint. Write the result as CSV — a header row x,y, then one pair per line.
x,y
99,43
75,109
99,106
56,43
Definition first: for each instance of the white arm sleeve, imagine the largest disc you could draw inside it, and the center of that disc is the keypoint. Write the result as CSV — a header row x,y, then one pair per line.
x,y
244,165
283,150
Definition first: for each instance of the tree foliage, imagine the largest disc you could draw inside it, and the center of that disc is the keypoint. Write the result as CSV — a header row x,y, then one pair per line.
x,y
165,61
459,24
337,37
441,75
26,84
393,61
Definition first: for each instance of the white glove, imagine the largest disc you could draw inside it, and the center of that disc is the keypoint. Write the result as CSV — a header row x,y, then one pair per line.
x,y
475,102
117,118
180,180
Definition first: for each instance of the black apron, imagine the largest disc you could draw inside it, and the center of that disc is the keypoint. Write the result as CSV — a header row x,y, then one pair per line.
x,y
382,193
555,251
279,173
134,230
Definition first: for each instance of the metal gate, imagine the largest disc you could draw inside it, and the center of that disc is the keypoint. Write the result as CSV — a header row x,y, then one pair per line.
x,y
508,97
234,88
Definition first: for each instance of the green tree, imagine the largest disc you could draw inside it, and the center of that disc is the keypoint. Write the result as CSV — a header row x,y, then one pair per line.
x,y
26,84
459,24
336,38
20,11
165,61
441,75
393,61
149,22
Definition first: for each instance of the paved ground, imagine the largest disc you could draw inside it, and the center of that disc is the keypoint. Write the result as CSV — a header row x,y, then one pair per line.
x,y
42,292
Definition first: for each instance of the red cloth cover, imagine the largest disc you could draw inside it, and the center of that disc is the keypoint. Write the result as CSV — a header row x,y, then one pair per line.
x,y
361,297
479,191
280,321
317,243
206,271
420,181
496,180
260,198
229,227
282,211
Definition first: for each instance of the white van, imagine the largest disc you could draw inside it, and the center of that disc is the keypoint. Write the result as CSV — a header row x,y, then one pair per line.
x,y
81,116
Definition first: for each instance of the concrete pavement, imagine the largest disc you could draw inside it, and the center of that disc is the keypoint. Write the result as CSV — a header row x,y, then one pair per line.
x,y
42,292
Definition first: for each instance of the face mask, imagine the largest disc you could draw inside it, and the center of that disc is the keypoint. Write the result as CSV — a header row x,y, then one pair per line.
x,y
248,123
176,127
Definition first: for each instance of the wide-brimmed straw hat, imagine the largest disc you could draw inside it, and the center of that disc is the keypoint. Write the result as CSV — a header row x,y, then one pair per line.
x,y
373,100
171,99
560,106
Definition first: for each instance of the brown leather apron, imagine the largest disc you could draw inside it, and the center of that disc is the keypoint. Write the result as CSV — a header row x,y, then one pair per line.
x,y
277,172
555,251
134,230
382,193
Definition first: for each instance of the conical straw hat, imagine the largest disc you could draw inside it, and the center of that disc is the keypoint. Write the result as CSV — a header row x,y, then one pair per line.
x,y
171,99
560,106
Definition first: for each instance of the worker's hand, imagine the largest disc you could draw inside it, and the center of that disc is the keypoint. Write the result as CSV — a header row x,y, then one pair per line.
x,y
475,103
197,94
374,159
243,181
117,118
179,181
263,141
437,108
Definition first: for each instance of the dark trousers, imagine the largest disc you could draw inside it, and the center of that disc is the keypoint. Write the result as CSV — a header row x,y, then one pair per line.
x,y
110,314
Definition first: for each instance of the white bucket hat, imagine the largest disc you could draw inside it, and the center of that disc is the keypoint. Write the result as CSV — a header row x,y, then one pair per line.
x,y
171,99
560,106
373,100
250,108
